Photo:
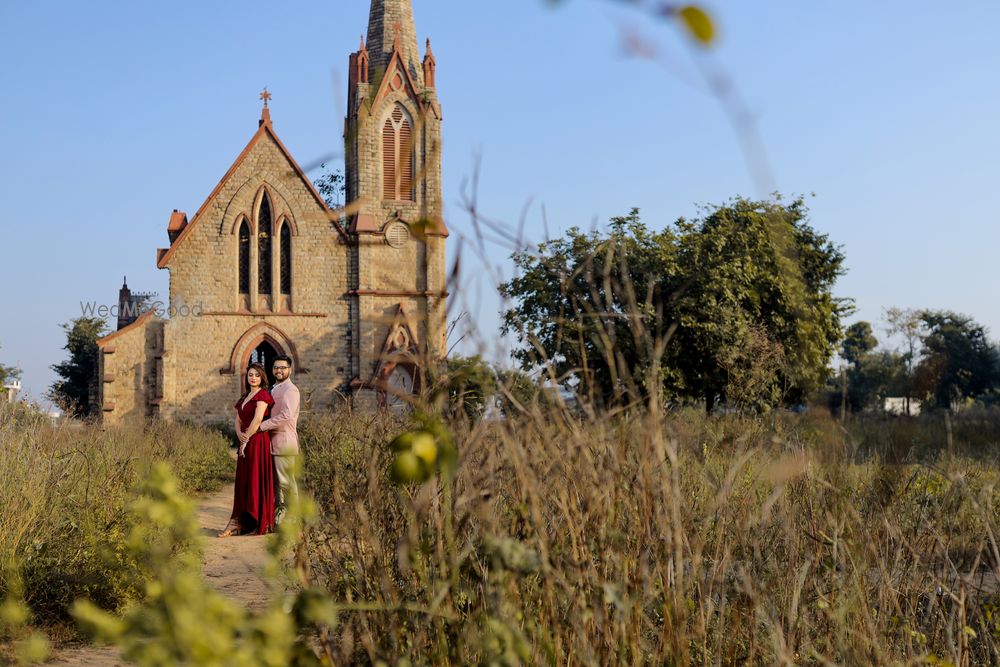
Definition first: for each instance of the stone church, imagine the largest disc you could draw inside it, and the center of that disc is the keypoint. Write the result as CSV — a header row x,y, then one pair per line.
x,y
355,296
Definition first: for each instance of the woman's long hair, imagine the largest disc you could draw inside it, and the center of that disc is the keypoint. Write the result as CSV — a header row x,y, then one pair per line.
x,y
246,384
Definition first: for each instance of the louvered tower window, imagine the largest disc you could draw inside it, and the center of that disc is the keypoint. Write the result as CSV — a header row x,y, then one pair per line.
x,y
286,259
397,156
264,224
244,257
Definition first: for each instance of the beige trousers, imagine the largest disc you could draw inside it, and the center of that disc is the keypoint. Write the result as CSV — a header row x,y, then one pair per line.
x,y
287,489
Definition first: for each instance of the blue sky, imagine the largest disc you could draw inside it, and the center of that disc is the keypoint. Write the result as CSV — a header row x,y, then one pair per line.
x,y
115,113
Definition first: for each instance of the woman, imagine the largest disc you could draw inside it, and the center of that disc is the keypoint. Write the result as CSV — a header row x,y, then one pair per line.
x,y
253,500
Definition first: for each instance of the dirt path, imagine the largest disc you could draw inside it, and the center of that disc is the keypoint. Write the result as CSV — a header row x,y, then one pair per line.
x,y
233,566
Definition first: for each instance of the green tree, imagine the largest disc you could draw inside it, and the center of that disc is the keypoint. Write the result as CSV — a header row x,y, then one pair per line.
x,y
8,373
330,186
906,323
858,341
470,383
577,311
957,359
757,265
735,305
875,376
871,375
516,390
75,390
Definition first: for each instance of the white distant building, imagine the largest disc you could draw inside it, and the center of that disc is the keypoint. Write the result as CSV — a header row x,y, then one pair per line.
x,y
896,405
11,387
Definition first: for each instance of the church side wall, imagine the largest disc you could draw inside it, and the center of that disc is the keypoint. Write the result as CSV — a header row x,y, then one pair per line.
x,y
127,376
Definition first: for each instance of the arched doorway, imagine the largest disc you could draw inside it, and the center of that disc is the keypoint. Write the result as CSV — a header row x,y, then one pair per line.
x,y
264,355
398,386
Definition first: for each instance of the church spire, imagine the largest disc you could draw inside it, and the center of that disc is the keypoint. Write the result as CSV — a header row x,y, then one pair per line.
x,y
390,24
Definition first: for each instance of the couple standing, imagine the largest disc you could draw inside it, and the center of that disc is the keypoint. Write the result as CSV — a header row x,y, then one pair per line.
x,y
269,447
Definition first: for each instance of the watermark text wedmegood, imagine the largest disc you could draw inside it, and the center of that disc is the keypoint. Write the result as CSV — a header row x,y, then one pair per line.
x,y
133,309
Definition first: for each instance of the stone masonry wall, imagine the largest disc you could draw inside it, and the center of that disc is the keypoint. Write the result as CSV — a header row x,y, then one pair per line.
x,y
127,371
201,382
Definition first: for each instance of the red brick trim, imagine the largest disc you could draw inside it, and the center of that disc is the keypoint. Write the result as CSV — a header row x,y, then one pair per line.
x,y
238,221
178,221
101,342
247,313
285,219
364,223
412,293
395,65
254,336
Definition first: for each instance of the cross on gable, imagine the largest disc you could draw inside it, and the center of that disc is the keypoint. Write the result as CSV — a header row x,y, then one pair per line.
x,y
266,96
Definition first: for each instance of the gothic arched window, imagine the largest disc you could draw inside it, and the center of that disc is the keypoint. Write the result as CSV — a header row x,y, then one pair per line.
x,y
264,225
244,257
397,156
286,258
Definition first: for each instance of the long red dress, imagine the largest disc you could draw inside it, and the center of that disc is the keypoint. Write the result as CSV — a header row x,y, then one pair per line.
x,y
253,500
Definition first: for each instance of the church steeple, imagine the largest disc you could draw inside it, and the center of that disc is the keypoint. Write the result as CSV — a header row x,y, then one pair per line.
x,y
390,24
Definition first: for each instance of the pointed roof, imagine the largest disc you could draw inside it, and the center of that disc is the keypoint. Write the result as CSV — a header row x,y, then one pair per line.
x,y
394,64
401,343
265,130
390,24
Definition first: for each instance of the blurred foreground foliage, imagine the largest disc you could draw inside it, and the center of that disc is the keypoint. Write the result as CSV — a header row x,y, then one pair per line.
x,y
64,506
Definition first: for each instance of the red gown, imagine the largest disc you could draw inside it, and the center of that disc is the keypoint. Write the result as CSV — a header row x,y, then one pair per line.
x,y
253,500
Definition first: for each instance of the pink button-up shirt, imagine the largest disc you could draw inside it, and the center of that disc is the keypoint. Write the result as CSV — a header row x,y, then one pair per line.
x,y
284,416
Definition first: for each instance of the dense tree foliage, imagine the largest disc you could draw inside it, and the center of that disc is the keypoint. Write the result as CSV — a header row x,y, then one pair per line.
x,y
8,373
470,382
946,359
75,391
957,359
858,341
871,376
736,305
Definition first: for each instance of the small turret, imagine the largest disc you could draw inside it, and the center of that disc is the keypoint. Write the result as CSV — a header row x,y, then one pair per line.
x,y
430,65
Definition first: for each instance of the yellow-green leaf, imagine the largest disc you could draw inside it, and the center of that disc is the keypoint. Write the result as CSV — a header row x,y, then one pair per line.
x,y
698,22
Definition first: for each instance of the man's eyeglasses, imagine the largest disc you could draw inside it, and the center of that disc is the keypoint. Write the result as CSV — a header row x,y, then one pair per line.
x,y
280,368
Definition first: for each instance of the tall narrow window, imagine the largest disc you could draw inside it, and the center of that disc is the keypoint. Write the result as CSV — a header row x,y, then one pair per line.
x,y
388,160
397,156
286,259
264,224
244,257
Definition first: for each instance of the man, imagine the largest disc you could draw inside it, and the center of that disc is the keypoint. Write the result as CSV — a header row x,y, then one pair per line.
x,y
284,437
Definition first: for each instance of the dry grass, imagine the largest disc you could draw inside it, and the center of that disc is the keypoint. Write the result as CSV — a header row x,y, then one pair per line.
x,y
627,539
651,539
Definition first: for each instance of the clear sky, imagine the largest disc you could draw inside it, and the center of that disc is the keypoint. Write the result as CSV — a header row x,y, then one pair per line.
x,y
115,113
